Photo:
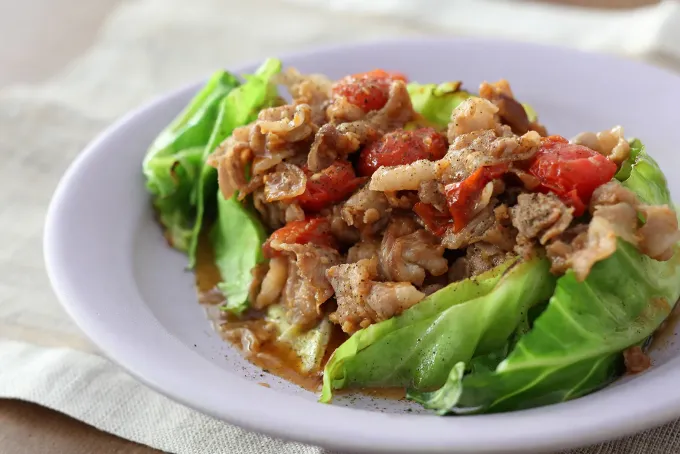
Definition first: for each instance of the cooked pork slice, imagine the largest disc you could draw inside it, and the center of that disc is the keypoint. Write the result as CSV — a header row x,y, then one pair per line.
x,y
345,233
483,256
622,218
266,161
255,183
343,111
491,225
581,247
466,154
473,232
600,243
289,123
279,133
610,143
655,238
528,181
396,112
307,287
366,210
294,213
273,283
401,200
258,272
404,177
541,216
231,159
479,257
473,114
459,270
363,250
407,252
363,301
312,89
612,193
388,299
352,283
431,192
272,214
501,234
334,142
337,141
429,289
660,233
286,182
470,151
510,111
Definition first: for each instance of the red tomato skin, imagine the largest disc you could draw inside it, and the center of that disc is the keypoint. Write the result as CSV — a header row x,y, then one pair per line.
x,y
333,184
435,221
316,230
401,147
368,90
381,74
462,196
570,171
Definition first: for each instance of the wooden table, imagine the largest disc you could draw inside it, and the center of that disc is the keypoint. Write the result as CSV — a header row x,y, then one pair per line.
x,y
46,35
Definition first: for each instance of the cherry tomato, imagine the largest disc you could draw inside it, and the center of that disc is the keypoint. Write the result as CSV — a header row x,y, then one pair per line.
x,y
570,171
572,199
402,147
368,90
462,196
435,221
311,230
331,185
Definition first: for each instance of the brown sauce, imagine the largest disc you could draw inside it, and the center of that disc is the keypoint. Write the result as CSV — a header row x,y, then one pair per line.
x,y
665,333
260,348
206,273
254,339
337,338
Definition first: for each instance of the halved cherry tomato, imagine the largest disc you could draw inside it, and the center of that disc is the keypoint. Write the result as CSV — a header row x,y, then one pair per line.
x,y
572,172
402,147
462,196
380,74
435,221
311,230
331,185
572,199
368,90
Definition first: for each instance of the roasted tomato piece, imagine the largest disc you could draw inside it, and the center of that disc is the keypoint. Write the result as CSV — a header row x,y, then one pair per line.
x,y
333,184
368,90
402,147
462,196
435,221
572,172
311,230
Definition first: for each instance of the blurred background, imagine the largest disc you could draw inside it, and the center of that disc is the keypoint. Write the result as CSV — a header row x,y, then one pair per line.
x,y
40,37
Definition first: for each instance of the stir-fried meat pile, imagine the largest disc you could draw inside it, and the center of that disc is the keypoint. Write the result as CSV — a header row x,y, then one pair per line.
x,y
371,208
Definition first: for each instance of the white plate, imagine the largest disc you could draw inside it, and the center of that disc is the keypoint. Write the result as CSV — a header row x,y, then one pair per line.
x,y
131,295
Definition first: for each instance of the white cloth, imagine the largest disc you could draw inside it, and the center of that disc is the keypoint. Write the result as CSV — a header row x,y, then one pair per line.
x,y
651,32
150,46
